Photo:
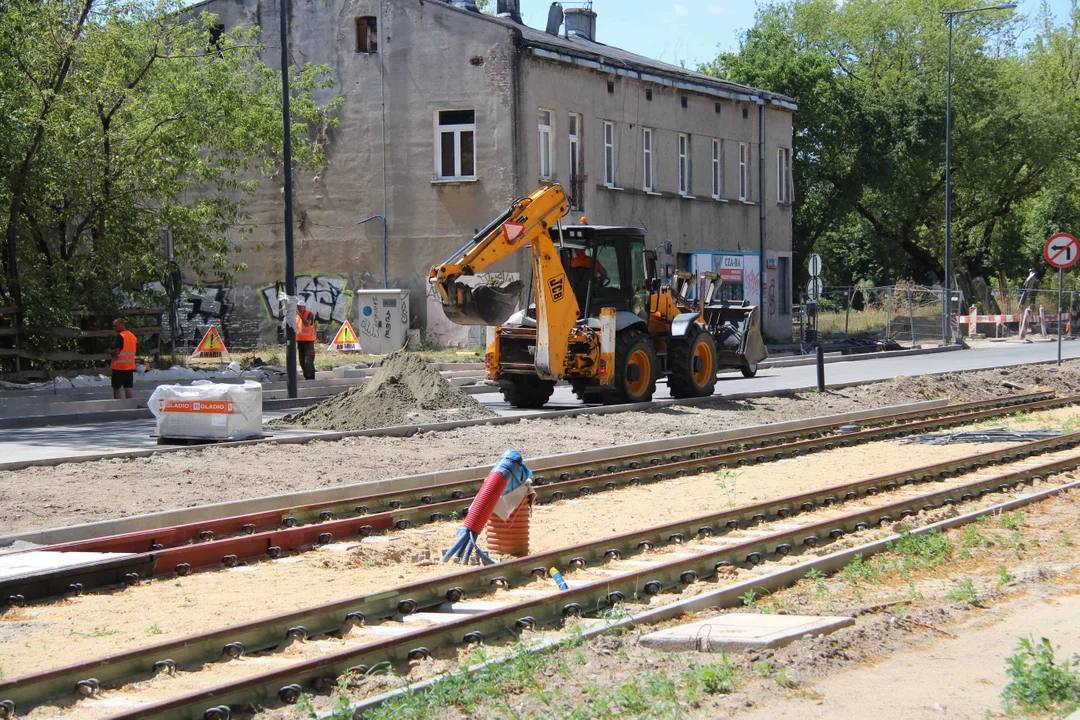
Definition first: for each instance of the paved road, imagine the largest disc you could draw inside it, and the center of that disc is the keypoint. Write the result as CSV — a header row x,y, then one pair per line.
x,y
50,442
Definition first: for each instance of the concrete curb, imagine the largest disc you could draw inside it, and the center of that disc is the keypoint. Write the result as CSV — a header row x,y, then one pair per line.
x,y
167,518
103,416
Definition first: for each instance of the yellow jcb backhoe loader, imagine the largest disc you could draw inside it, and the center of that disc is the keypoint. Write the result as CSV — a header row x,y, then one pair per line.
x,y
596,314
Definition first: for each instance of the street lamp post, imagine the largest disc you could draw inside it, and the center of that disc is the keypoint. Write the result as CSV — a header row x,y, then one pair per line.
x,y
946,324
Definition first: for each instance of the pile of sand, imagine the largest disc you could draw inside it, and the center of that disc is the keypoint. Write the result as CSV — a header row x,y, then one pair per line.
x,y
405,390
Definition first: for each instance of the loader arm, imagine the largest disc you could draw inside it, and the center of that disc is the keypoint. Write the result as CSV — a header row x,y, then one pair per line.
x,y
557,308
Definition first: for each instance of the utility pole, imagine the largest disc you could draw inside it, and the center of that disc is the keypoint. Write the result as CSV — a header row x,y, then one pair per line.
x,y
286,161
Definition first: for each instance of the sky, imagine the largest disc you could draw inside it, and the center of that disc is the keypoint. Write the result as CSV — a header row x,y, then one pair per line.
x,y
692,31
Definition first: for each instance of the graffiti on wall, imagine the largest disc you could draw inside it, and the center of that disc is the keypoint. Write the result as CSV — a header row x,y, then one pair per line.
x,y
326,295
196,310
772,296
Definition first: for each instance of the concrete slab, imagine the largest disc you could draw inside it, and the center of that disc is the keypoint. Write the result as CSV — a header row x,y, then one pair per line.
x,y
736,632
19,564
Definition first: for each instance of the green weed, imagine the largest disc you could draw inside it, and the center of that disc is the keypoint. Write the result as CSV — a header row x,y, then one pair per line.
x,y
154,630
1066,539
764,668
1003,576
1011,521
1037,683
748,598
821,588
784,680
972,537
964,592
99,633
718,678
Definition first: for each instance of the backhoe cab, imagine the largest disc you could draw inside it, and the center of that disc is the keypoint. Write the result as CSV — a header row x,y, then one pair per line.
x,y
596,312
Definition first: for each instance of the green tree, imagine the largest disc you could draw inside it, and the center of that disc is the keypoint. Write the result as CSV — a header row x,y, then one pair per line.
x,y
120,119
870,78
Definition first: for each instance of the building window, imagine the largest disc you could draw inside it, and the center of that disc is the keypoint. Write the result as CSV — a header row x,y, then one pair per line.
x,y
783,176
649,159
577,166
367,35
783,281
456,145
718,169
611,154
744,172
544,126
684,164
684,101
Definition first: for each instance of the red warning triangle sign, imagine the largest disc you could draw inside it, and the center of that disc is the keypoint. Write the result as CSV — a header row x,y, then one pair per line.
x,y
513,231
345,339
211,345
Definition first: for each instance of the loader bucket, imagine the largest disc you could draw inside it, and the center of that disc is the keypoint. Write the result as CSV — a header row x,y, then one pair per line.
x,y
483,304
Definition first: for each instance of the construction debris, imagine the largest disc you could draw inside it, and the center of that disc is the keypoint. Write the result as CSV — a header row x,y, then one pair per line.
x,y
992,435
405,390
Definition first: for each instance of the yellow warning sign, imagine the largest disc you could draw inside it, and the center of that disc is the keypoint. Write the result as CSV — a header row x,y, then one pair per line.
x,y
211,345
345,339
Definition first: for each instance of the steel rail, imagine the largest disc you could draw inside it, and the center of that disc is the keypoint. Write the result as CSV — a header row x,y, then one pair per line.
x,y
269,632
581,480
287,683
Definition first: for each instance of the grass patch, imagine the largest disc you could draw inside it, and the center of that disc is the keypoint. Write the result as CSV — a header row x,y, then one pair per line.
x,y
909,553
99,633
718,678
1039,684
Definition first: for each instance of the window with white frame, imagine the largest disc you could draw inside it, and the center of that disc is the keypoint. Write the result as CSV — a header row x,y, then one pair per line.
x,y
783,176
744,172
577,165
684,164
718,169
544,121
455,146
611,154
648,150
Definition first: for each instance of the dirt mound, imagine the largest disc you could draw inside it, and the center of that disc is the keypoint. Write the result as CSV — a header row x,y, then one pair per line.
x,y
405,390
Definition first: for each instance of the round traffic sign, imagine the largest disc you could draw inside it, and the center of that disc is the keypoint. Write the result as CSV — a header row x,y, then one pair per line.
x,y
815,265
814,289
1062,251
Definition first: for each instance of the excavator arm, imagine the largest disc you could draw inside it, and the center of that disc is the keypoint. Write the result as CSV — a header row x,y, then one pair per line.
x,y
525,223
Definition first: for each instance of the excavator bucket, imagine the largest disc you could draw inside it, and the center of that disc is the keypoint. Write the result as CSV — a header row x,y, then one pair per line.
x,y
483,304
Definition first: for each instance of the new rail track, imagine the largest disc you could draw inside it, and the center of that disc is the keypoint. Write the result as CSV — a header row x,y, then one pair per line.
x,y
274,534
382,627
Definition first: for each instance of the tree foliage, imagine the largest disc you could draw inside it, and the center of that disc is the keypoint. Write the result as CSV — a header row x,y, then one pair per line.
x,y
121,119
870,80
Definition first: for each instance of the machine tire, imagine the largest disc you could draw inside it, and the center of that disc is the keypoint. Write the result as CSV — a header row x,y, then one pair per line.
x,y
527,391
632,349
684,355
748,371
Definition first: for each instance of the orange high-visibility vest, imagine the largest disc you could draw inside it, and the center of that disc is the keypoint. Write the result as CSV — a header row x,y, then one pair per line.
x,y
125,359
305,327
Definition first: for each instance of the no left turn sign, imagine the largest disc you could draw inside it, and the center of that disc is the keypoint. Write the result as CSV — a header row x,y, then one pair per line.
x,y
1062,251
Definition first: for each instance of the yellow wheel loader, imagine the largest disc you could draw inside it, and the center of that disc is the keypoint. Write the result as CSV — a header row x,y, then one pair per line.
x,y
596,313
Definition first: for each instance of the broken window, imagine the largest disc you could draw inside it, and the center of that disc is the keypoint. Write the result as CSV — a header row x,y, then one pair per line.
x,y
367,35
455,153
577,165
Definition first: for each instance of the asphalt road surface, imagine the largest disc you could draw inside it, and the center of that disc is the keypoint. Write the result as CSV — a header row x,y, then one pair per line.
x,y
92,439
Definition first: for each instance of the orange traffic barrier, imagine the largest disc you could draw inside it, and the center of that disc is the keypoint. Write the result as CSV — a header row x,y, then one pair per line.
x,y
511,536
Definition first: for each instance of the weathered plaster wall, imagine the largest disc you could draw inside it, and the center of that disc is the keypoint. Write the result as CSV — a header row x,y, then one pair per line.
x,y
430,57
701,223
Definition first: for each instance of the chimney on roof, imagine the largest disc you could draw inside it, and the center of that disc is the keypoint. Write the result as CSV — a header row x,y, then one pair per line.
x,y
509,8
581,22
555,18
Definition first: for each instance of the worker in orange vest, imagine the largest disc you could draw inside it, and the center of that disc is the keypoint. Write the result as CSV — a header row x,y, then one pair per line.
x,y
305,339
582,260
123,360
